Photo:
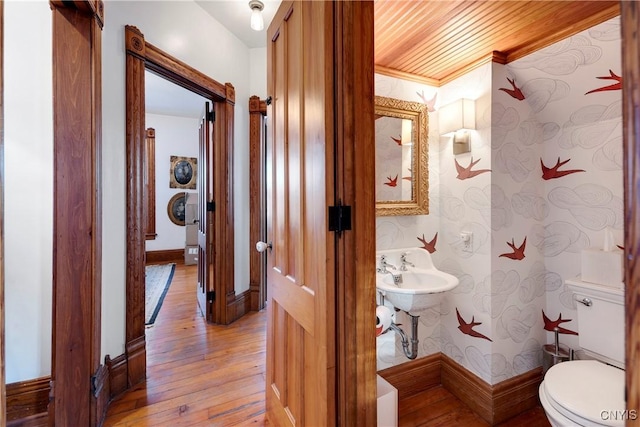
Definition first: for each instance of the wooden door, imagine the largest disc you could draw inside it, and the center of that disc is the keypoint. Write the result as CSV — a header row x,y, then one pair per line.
x,y
300,266
321,315
205,217
630,20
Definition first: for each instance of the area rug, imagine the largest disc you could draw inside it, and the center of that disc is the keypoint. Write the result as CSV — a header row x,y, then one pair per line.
x,y
157,282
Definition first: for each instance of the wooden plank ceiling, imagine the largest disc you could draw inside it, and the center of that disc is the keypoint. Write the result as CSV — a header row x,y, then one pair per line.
x,y
437,41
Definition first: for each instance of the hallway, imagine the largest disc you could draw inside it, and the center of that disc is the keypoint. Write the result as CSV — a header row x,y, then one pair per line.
x,y
197,374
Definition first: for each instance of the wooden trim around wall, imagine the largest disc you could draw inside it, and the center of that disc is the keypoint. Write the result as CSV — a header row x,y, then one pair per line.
x,y
238,306
149,196
77,210
257,207
630,19
414,376
470,389
494,404
354,255
516,395
40,420
223,233
100,393
117,374
26,399
140,56
165,255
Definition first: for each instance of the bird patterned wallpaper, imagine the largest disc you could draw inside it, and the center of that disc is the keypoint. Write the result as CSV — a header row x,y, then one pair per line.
x,y
543,181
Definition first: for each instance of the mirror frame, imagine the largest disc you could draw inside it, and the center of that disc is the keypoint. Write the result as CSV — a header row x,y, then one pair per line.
x,y
418,114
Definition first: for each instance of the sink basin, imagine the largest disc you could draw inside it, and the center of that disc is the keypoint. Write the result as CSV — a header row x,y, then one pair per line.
x,y
421,287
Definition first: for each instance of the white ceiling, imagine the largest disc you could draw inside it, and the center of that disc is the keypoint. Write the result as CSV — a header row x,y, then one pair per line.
x,y
235,15
166,98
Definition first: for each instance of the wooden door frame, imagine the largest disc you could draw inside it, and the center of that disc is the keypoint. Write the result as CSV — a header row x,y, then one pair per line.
x,y
630,22
352,131
140,56
355,186
77,213
150,184
257,210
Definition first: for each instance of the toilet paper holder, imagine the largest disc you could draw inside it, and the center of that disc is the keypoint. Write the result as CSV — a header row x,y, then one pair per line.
x,y
552,354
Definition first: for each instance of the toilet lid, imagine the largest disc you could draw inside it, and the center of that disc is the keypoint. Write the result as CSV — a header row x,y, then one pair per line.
x,y
589,389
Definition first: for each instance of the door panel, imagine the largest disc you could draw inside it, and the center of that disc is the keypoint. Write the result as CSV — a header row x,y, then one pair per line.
x,y
205,227
301,265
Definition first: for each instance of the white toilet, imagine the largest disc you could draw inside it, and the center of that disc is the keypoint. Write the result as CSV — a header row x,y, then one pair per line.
x,y
590,392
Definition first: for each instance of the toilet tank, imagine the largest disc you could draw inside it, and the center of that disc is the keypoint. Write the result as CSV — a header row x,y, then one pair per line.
x,y
601,321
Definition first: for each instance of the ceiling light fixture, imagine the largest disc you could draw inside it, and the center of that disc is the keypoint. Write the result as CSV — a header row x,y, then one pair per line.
x,y
257,23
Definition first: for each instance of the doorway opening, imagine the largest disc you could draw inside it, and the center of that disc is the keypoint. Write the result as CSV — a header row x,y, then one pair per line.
x,y
172,121
142,56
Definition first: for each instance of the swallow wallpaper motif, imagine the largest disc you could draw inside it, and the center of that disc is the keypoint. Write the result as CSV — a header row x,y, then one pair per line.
x,y
543,181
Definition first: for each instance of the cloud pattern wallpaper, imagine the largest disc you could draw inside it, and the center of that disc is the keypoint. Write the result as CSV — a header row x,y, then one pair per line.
x,y
543,181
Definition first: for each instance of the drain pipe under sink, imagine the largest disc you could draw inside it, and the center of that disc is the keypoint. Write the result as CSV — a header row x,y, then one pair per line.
x,y
405,341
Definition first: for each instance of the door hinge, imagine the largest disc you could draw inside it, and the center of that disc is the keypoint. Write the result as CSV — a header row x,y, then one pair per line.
x,y
211,116
211,296
211,206
94,385
268,100
339,218
52,394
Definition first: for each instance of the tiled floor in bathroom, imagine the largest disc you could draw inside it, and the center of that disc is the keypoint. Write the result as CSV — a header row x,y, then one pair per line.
x,y
438,407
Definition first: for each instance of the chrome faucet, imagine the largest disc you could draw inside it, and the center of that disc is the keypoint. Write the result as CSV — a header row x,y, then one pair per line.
x,y
397,278
384,264
403,260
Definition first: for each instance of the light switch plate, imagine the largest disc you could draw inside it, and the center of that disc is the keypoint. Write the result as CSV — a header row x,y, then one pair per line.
x,y
467,241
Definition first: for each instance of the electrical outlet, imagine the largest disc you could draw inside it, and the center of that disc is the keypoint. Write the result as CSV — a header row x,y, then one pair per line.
x,y
467,241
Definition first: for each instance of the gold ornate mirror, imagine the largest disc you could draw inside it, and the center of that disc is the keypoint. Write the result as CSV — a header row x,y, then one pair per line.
x,y
402,178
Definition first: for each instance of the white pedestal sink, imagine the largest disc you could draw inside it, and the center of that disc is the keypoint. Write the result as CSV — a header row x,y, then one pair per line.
x,y
416,287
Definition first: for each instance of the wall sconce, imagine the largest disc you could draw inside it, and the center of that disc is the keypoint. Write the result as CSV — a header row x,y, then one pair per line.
x,y
458,118
257,23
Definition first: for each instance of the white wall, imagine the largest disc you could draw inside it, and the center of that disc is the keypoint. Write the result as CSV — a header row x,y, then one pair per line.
x,y
28,207
186,32
175,136
560,119
258,72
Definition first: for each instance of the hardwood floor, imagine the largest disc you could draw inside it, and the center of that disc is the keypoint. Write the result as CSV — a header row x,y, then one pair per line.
x,y
438,407
209,375
197,374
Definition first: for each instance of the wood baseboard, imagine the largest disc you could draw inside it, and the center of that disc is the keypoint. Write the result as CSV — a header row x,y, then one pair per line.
x,y
167,255
516,395
496,403
117,375
239,306
28,399
414,376
40,420
466,386
100,395
136,351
